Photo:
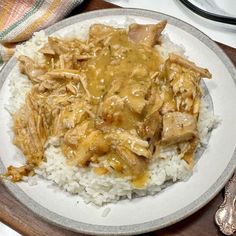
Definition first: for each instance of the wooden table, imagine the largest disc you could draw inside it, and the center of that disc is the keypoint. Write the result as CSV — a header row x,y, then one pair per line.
x,y
20,218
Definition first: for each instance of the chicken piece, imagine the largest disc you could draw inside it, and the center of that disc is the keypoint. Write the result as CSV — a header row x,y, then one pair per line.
x,y
184,85
75,135
185,89
166,94
93,144
100,31
97,143
184,77
47,84
58,46
31,131
139,150
111,109
151,126
146,34
155,101
178,127
124,118
28,67
129,140
136,164
73,89
17,173
134,95
69,117
70,74
83,57
65,74
173,58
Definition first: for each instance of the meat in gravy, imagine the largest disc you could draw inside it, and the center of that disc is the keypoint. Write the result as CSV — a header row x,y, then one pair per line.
x,y
110,100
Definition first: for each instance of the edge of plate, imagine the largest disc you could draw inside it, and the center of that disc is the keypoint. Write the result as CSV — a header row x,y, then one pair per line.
x,y
150,225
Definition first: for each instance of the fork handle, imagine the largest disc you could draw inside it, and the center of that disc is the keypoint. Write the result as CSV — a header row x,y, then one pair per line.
x,y
225,216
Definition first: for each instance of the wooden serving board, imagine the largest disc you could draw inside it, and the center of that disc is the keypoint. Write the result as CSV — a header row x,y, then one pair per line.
x,y
20,218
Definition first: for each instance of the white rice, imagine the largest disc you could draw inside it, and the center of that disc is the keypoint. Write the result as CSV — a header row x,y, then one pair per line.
x,y
168,46
165,167
207,121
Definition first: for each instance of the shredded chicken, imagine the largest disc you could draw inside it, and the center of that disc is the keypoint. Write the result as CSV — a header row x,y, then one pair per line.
x,y
17,173
137,165
31,69
173,58
110,100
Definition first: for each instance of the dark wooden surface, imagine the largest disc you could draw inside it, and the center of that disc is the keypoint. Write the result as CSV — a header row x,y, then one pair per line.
x,y
20,218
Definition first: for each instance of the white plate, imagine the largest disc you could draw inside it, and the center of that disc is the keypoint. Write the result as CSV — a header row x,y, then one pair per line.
x,y
174,203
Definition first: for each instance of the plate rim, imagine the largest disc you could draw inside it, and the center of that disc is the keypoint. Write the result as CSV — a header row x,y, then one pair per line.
x,y
179,215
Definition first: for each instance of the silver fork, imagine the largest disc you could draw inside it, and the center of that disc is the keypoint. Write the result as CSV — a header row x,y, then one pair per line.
x,y
225,216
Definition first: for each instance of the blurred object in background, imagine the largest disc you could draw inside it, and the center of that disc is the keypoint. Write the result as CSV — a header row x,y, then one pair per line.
x,y
211,11
20,19
222,7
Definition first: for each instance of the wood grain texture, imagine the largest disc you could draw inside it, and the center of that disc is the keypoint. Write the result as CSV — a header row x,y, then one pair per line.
x,y
20,218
